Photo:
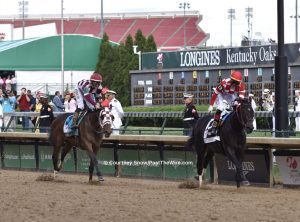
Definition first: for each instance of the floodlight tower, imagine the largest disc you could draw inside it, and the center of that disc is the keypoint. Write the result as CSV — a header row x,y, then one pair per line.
x,y
102,21
231,16
23,10
296,16
184,6
249,15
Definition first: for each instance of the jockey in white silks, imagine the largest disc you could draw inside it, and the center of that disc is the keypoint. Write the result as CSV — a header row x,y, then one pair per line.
x,y
227,90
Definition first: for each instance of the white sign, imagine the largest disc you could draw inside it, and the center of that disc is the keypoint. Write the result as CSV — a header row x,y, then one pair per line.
x,y
289,167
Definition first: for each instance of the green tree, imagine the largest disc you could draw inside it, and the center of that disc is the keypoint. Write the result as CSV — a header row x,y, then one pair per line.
x,y
150,44
106,60
115,63
140,40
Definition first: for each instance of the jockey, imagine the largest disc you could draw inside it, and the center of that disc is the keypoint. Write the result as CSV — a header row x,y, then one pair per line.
x,y
87,94
227,91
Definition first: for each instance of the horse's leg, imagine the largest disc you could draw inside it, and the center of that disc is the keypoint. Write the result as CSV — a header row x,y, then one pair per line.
x,y
91,170
66,149
201,153
244,180
230,153
56,150
207,159
94,162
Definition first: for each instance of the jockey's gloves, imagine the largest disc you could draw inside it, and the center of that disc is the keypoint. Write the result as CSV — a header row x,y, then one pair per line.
x,y
210,108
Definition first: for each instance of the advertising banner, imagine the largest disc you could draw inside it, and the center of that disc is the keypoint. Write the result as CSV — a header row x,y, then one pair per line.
x,y
27,157
12,156
218,57
289,167
255,168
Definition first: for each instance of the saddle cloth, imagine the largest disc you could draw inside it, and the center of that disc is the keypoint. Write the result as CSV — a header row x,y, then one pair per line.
x,y
210,137
68,130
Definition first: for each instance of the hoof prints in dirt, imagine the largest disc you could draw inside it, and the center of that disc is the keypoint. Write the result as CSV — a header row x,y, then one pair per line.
x,y
188,185
49,177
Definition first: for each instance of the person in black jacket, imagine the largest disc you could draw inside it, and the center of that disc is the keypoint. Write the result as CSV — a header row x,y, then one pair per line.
x,y
46,115
190,114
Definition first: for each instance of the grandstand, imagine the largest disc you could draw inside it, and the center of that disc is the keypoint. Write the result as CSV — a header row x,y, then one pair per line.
x,y
166,27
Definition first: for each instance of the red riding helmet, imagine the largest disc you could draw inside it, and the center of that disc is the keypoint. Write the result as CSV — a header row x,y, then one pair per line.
x,y
236,76
96,77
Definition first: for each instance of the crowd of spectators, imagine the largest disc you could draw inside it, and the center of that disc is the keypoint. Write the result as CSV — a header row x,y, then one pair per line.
x,y
26,101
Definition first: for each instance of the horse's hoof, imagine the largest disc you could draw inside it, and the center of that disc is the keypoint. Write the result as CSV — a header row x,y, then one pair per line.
x,y
55,172
196,177
101,179
245,183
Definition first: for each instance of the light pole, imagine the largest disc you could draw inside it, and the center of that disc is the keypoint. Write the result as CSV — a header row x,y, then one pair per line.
x,y
231,16
102,21
23,10
249,15
184,6
140,55
296,16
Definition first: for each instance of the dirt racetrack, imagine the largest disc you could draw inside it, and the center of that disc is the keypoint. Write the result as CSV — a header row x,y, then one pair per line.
x,y
71,198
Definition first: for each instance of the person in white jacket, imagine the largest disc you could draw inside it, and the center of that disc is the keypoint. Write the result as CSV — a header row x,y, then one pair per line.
x,y
254,106
117,111
297,108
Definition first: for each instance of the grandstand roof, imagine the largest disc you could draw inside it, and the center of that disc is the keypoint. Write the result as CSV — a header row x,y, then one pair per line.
x,y
81,53
166,27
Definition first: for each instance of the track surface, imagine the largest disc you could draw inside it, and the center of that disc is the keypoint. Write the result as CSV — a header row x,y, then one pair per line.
x,y
71,198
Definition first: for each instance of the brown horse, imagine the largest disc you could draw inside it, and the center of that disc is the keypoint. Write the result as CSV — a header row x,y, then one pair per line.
x,y
90,134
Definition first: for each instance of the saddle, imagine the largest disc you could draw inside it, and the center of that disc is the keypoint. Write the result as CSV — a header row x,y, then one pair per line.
x,y
209,136
68,130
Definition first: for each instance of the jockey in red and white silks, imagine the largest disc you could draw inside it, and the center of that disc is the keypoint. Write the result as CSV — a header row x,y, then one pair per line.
x,y
227,90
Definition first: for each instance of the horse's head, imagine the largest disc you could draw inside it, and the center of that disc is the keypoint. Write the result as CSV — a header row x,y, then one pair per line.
x,y
105,121
245,114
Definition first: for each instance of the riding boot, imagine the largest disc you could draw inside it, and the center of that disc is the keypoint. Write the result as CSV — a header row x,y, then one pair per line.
x,y
216,121
74,120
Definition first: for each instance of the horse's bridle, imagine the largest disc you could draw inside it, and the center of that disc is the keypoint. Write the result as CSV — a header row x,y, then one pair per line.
x,y
107,117
239,115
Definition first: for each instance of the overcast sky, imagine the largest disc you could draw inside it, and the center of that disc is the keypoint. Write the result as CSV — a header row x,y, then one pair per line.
x,y
215,16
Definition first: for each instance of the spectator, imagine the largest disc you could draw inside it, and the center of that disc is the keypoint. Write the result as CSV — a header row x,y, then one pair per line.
x,y
32,100
190,114
24,106
1,96
117,111
46,115
1,117
70,103
58,104
297,109
253,104
8,107
13,83
268,105
37,108
2,83
8,84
